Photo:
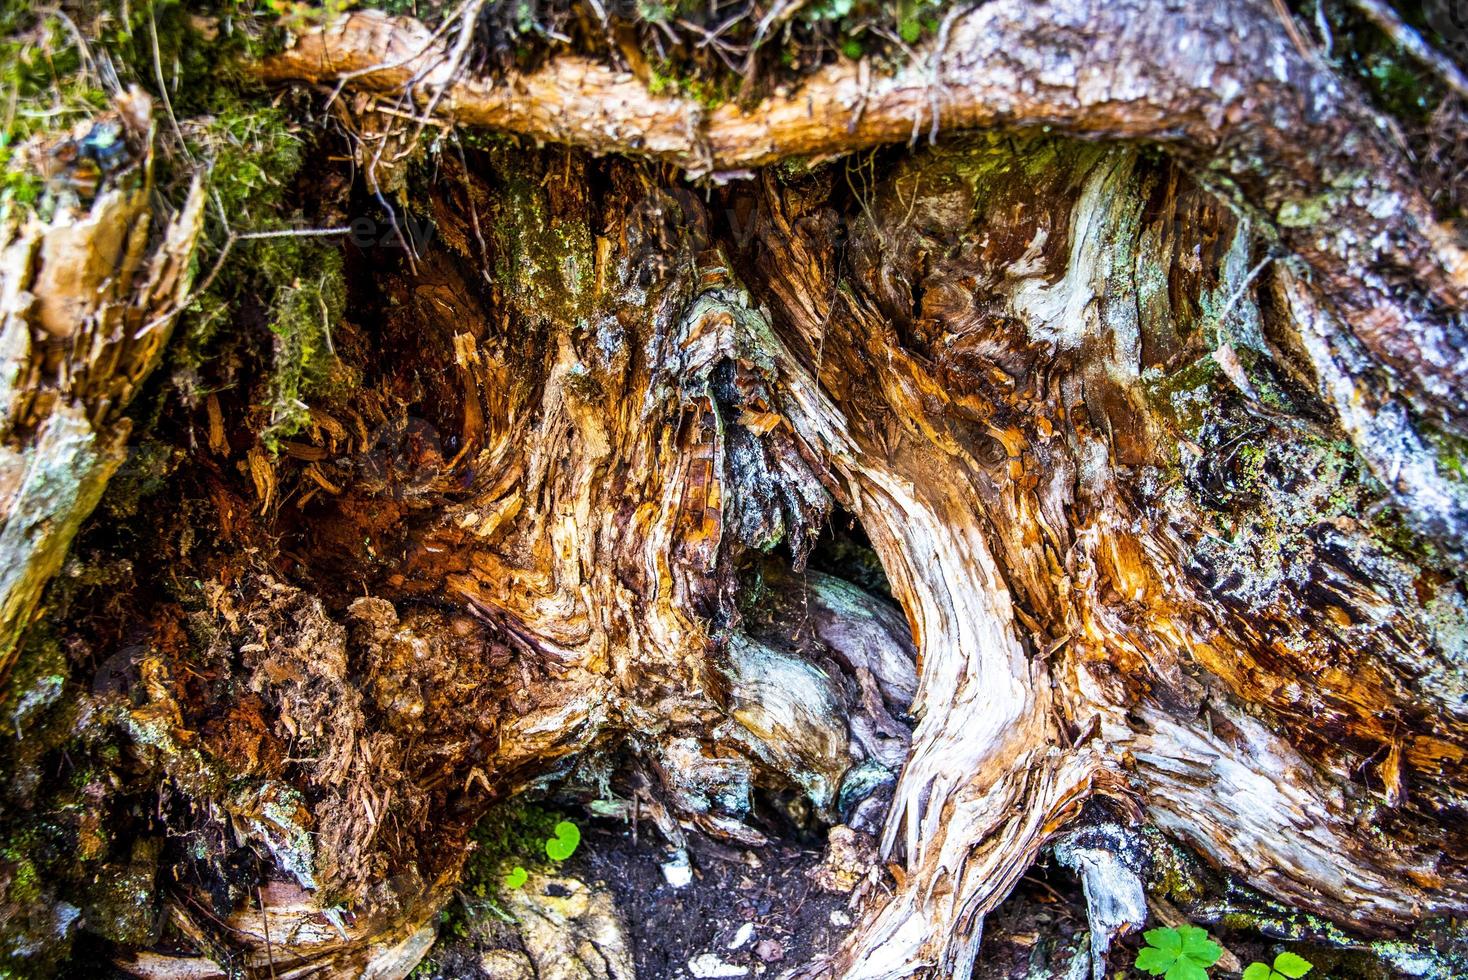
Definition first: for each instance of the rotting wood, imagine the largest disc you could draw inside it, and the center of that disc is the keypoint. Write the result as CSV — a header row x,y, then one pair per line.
x,y
1277,131
1088,413
87,306
1028,461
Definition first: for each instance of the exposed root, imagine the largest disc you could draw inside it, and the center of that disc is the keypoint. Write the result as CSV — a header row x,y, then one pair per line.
x,y
1232,117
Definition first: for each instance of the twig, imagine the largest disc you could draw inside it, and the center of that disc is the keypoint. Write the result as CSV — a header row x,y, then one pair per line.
x,y
1293,30
230,238
1406,38
399,63
473,210
727,51
410,250
1238,294
456,60
781,12
1323,26
326,323
421,120
214,272
936,56
265,926
163,86
292,233
864,81
89,63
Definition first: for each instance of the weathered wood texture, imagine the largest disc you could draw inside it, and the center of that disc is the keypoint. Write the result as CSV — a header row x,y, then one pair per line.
x,y
1088,634
87,302
1147,502
1135,556
1222,85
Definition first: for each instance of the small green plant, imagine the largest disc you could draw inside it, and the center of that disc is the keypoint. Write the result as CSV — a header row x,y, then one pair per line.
x,y
508,841
300,16
1287,966
1184,953
564,843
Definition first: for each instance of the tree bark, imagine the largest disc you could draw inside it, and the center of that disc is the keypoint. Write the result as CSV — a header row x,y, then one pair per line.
x,y
85,315
1141,402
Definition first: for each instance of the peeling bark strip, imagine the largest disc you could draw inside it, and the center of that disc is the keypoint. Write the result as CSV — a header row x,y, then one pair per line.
x,y
1221,84
86,309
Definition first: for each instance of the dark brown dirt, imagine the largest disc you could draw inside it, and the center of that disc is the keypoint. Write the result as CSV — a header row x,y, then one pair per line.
x,y
1036,932
768,887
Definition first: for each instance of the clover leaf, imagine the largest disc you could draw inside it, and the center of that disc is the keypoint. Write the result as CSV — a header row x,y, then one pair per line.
x,y
1184,953
1287,966
563,845
516,878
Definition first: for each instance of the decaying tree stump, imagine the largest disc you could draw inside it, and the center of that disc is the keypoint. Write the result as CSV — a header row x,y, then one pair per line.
x,y
1146,398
